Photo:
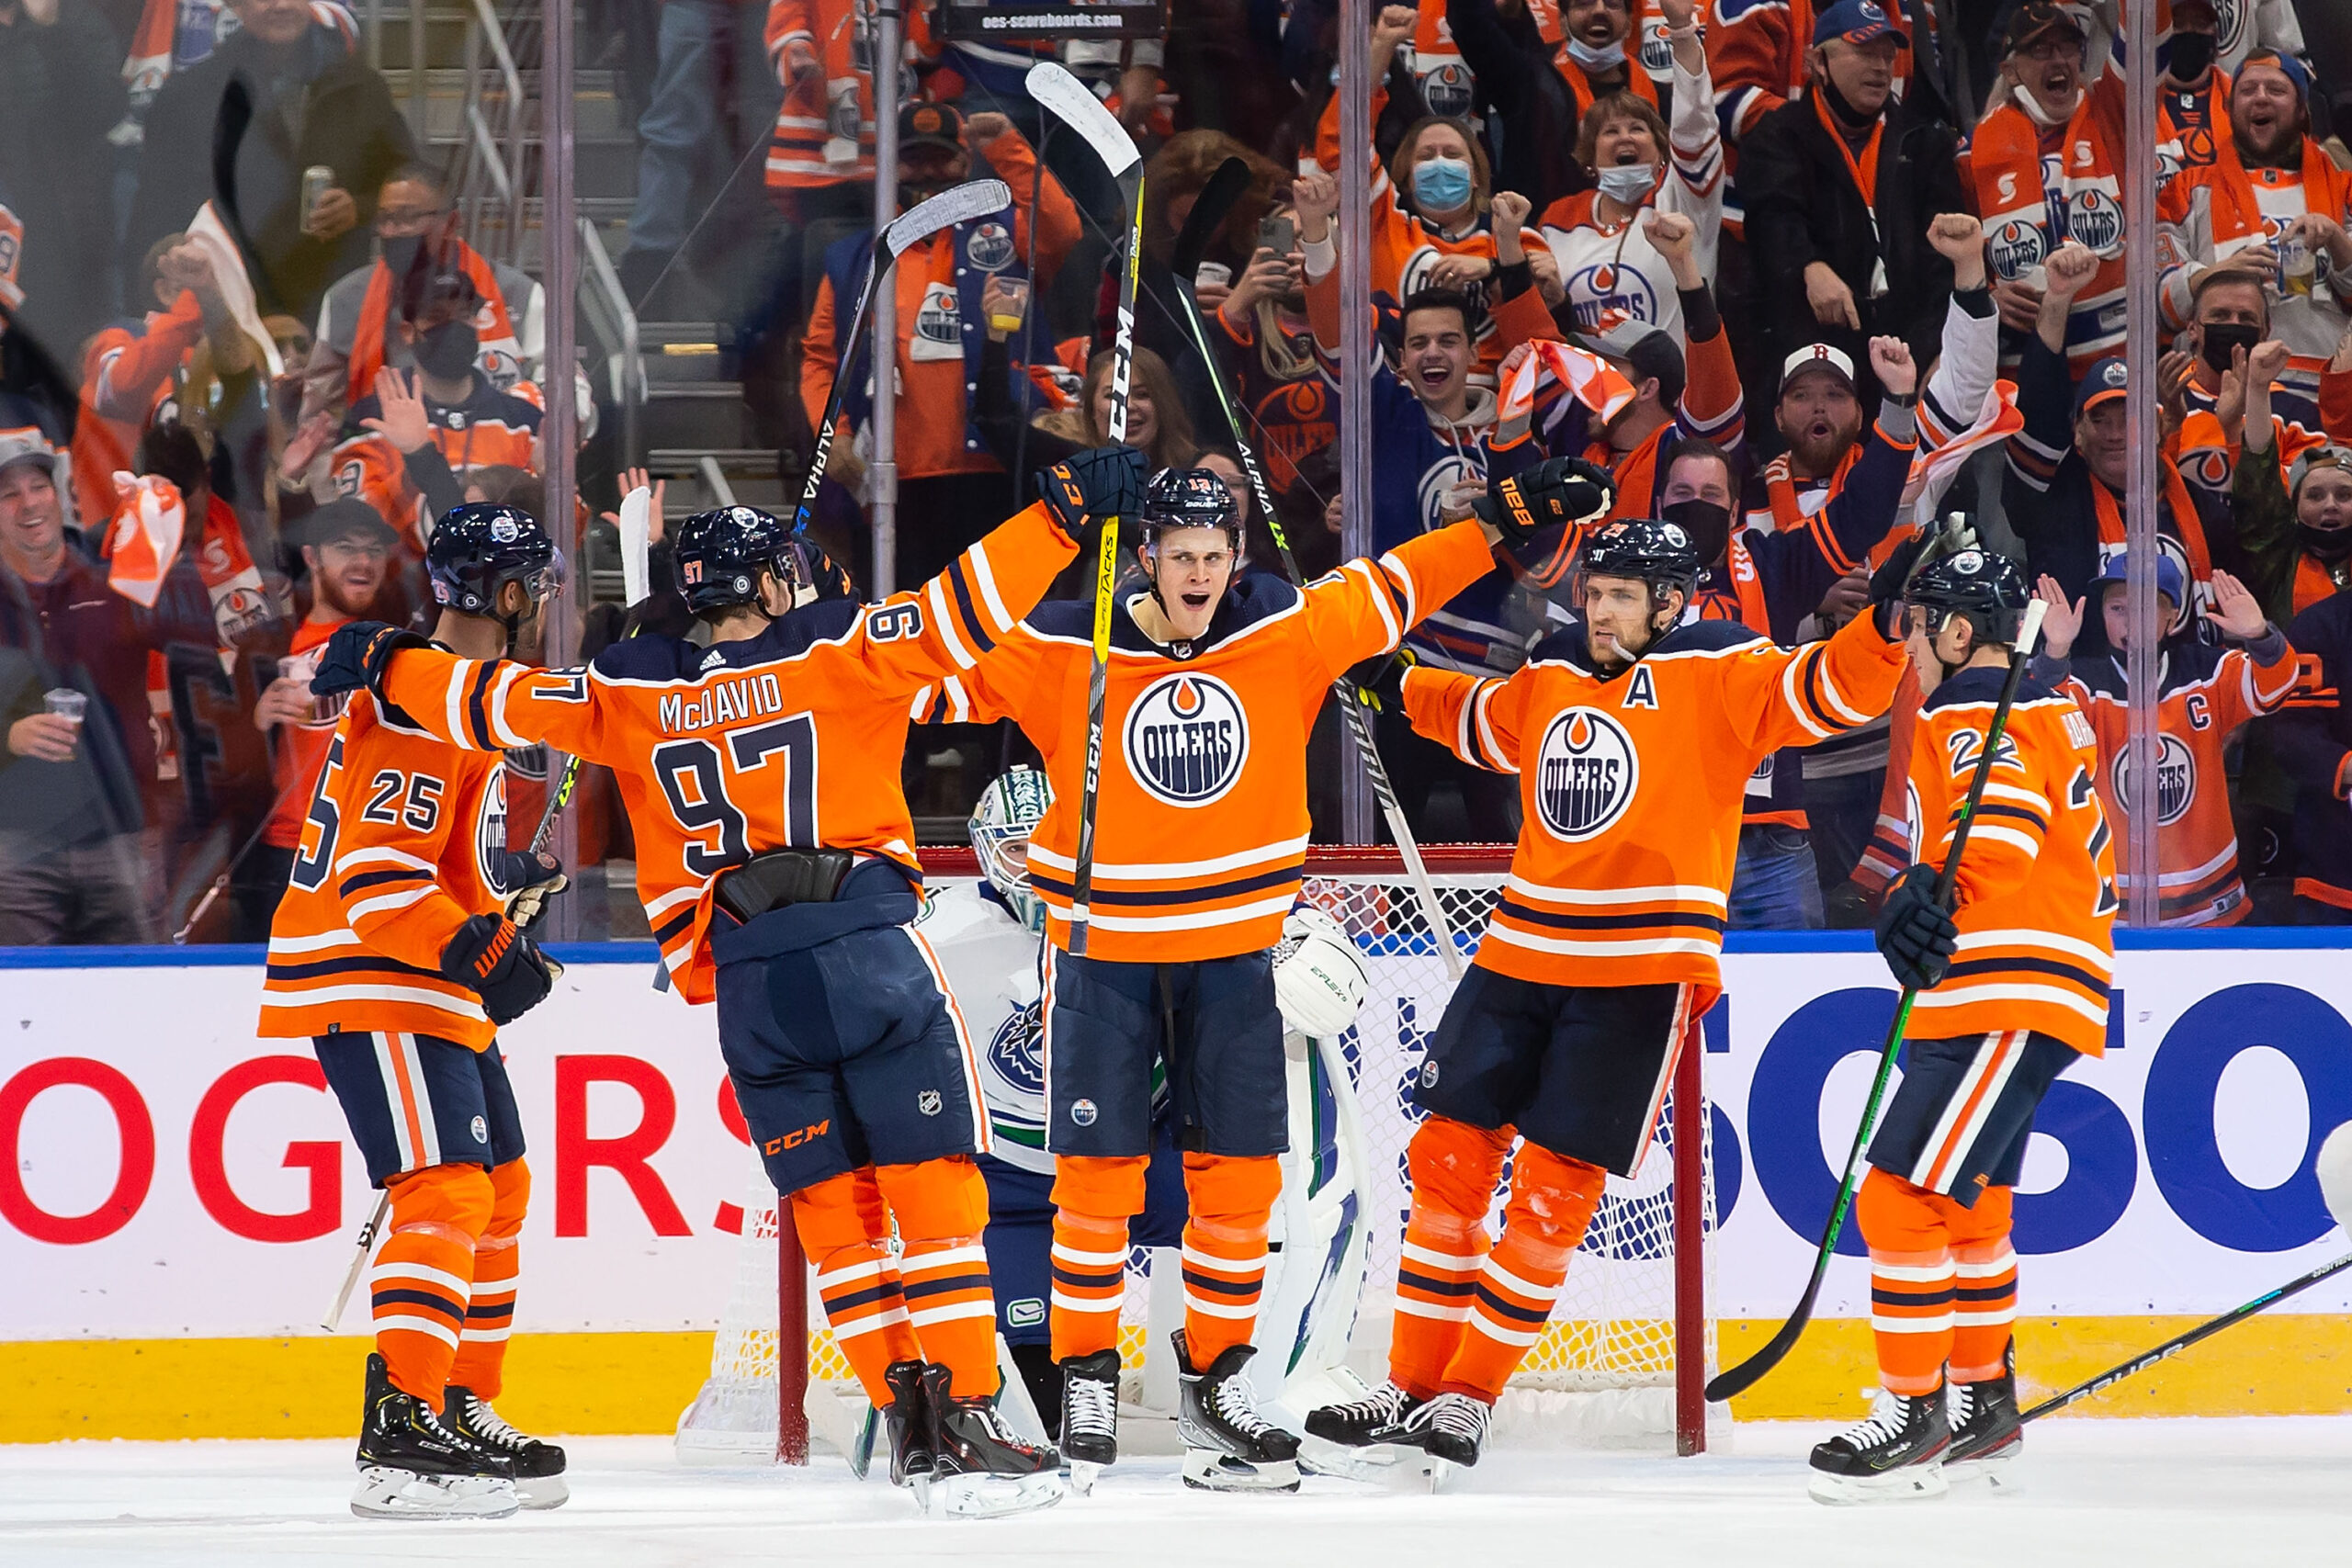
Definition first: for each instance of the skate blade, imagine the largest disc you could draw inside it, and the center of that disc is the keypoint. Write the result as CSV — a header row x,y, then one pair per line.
x,y
542,1492
1988,1470
1083,1473
1206,1469
1320,1456
920,1485
1912,1483
385,1493
993,1496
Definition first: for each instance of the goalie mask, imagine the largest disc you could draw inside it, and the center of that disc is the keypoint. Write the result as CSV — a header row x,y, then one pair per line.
x,y
1009,811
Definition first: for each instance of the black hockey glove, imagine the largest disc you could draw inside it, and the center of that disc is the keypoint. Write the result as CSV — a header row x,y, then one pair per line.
x,y
493,959
1558,492
1888,582
1379,682
1102,481
1916,936
356,657
531,881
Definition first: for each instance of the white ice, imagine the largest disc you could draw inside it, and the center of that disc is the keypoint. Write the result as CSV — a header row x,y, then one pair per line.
x,y
2130,1492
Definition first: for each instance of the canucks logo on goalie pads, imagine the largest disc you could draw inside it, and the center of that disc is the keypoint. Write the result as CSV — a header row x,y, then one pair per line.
x,y
989,946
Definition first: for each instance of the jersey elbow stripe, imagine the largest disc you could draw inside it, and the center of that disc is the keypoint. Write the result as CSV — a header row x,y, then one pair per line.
x,y
478,708
506,679
1381,597
984,577
953,644
1800,705
1409,591
452,703
977,629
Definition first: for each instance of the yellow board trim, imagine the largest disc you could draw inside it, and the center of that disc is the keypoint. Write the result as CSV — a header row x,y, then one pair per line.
x,y
58,1389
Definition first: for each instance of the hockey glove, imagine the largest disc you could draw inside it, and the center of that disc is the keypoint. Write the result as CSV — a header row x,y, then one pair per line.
x,y
1562,492
1103,481
355,655
1888,581
1915,935
494,960
531,881
1319,978
1379,682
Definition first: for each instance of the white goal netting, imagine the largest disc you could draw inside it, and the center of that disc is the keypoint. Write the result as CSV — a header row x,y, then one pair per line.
x,y
1612,1334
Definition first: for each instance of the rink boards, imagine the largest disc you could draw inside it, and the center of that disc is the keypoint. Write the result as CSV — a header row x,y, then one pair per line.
x,y
177,1198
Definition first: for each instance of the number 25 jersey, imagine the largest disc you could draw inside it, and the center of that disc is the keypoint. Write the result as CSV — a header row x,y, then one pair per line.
x,y
789,740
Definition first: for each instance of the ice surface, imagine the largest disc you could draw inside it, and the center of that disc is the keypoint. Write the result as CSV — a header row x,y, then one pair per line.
x,y
2129,1492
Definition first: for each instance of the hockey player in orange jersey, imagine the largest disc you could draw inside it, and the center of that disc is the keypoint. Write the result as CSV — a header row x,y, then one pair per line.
x,y
777,864
1634,734
2012,986
1214,678
398,952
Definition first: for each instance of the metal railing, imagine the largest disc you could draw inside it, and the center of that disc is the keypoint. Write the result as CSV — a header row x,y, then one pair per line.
x,y
606,308
497,155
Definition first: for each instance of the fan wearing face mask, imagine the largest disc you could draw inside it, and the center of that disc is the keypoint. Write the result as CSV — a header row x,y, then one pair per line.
x,y
2204,382
410,443
1601,238
1431,226
2294,528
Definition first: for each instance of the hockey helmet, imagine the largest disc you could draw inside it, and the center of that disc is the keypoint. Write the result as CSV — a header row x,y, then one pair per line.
x,y
1662,554
721,553
1982,585
1009,811
1189,498
478,549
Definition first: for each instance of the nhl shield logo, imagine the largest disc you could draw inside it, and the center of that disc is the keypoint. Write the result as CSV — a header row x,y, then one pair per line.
x,y
929,1103
1186,739
1584,775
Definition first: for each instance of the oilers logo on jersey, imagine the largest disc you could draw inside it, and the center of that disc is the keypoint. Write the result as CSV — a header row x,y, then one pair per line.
x,y
1586,774
2176,779
2017,248
1187,738
490,835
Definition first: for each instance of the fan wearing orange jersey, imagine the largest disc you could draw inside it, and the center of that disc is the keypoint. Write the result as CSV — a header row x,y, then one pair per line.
x,y
1634,734
2011,987
398,952
777,863
1214,678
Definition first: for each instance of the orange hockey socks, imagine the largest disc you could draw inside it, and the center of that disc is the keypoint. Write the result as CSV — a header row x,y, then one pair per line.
x,y
498,1261
1984,1300
1552,1200
1092,1200
845,1232
423,1273
1454,1167
942,1206
1231,1200
1911,1280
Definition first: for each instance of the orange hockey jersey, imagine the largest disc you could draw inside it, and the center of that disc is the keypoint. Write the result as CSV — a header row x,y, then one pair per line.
x,y
406,840
2035,895
2208,692
1201,831
790,739
1632,785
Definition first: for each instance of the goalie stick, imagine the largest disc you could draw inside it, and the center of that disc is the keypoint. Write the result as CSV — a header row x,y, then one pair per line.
x,y
1064,96
1208,214
958,203
1744,1376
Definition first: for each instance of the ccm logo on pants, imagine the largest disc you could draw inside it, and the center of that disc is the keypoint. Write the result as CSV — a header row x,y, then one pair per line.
x,y
794,1140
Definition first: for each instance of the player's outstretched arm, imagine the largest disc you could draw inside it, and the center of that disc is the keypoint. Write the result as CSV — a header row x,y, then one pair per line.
x,y
1477,718
1779,696
475,704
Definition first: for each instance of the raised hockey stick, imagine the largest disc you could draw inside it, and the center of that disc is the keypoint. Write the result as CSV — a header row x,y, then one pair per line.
x,y
1208,214
1068,101
365,1245
959,204
1744,1376
2179,1342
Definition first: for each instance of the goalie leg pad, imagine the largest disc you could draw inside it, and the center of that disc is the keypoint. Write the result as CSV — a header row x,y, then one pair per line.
x,y
1232,1202
1092,1200
423,1274
846,1232
498,1261
1552,1200
1455,1167
942,1207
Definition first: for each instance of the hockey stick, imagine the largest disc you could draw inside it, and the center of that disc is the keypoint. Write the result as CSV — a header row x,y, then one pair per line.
x,y
2179,1342
358,1260
1208,214
958,203
1744,1376
1068,100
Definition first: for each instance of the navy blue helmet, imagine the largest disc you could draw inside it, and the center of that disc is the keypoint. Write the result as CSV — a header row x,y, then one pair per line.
x,y
721,553
478,549
1661,554
1985,586
1189,498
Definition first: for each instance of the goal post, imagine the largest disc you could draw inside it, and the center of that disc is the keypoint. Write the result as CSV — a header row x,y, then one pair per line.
x,y
1629,1347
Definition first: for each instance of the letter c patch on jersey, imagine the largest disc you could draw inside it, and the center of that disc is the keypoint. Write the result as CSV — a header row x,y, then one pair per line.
x,y
1186,739
1584,775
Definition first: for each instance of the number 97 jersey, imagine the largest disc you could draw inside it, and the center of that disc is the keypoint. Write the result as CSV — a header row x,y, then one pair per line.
x,y
405,842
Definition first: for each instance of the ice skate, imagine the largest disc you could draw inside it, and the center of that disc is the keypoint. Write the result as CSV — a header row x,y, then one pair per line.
x,y
1360,1438
908,1420
1896,1455
1090,1417
538,1465
1986,1431
979,1469
1451,1430
1228,1447
413,1467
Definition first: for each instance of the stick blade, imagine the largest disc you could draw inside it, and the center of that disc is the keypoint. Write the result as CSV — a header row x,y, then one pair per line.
x,y
2334,1170
1738,1380
1066,98
1210,209
958,204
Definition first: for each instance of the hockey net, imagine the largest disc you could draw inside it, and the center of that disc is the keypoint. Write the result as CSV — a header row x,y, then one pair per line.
x,y
1629,1345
